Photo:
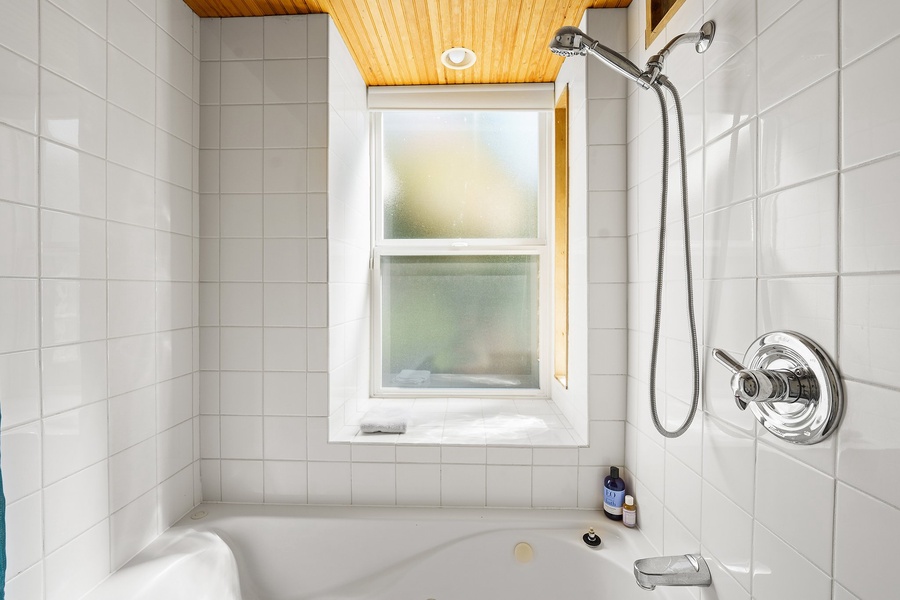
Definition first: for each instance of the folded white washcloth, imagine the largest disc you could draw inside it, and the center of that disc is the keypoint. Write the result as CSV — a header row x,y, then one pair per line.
x,y
412,377
384,420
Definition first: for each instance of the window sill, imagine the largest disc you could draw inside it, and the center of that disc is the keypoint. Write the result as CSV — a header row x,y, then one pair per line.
x,y
532,423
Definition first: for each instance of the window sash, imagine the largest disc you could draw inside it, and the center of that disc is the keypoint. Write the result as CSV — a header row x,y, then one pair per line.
x,y
537,246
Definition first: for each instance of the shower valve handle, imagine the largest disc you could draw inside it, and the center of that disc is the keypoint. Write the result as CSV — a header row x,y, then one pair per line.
x,y
767,385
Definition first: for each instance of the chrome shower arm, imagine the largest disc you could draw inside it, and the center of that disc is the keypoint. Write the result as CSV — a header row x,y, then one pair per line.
x,y
701,40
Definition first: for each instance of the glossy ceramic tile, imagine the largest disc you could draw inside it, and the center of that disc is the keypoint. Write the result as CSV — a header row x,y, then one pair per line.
x,y
870,123
730,168
74,440
174,161
730,93
79,565
241,171
769,11
19,27
173,111
174,354
285,482
285,438
173,63
19,167
730,242
131,308
780,572
868,242
868,322
807,304
418,484
736,22
798,229
18,314
373,484
683,495
241,126
176,19
73,376
19,388
18,107
242,82
729,460
285,38
727,533
72,311
285,125
130,252
72,50
174,450
241,348
72,181
71,115
462,485
242,39
867,573
72,246
22,462
798,50
805,526
798,139
865,25
24,532
131,363
74,505
241,215
867,440
132,528
329,483
131,473
19,245
132,32
132,418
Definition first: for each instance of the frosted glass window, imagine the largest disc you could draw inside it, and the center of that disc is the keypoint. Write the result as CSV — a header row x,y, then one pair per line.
x,y
460,174
460,321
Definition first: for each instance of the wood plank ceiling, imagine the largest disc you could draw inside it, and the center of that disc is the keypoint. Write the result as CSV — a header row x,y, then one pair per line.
x,y
399,42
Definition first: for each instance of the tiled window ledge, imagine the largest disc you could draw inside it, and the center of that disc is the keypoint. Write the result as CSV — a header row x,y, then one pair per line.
x,y
470,422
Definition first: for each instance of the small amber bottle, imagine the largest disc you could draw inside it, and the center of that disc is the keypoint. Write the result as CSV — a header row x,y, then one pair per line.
x,y
628,512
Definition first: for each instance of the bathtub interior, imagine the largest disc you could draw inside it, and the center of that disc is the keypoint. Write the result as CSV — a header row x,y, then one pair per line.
x,y
327,553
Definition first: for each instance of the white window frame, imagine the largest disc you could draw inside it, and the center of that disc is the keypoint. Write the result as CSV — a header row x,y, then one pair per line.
x,y
522,97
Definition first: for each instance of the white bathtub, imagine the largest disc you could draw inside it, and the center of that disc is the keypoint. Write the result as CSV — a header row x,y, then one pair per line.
x,y
252,552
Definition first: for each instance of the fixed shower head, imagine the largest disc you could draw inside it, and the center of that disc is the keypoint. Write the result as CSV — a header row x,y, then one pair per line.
x,y
571,41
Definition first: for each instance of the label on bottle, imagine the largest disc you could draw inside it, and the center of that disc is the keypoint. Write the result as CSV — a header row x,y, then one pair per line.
x,y
628,518
613,501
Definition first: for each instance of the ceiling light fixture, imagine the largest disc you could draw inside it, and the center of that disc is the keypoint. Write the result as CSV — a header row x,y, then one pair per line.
x,y
458,58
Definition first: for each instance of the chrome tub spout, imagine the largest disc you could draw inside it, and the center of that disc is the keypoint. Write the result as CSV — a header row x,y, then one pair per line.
x,y
684,569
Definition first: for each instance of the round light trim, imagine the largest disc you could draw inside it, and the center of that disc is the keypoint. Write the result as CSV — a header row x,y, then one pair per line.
x,y
458,58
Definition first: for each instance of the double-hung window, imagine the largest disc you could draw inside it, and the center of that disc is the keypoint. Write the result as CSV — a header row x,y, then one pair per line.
x,y
461,260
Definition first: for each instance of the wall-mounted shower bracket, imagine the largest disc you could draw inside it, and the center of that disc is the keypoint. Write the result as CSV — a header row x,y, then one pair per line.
x,y
790,385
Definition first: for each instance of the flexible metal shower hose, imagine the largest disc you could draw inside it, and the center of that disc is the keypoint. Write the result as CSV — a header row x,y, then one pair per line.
x,y
662,81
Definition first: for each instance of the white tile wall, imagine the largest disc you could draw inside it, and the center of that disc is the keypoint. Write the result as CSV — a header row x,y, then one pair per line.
x,y
89,299
799,150
283,165
284,289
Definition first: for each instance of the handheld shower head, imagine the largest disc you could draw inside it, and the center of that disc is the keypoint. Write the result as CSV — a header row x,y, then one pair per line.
x,y
571,41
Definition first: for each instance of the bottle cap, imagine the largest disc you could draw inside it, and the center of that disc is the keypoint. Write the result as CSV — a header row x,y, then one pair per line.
x,y
614,472
629,499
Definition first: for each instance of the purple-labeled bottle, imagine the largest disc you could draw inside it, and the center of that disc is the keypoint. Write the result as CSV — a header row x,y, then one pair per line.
x,y
613,494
